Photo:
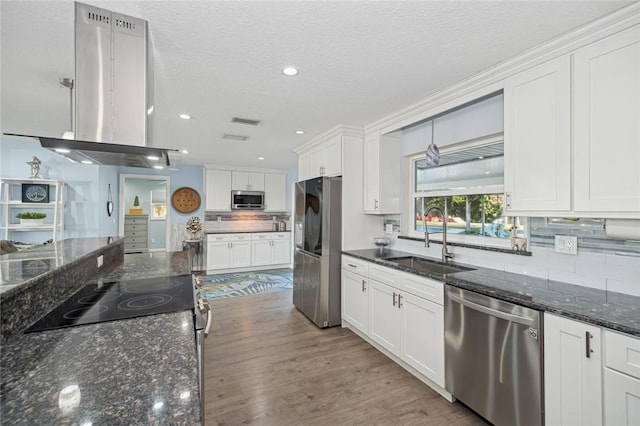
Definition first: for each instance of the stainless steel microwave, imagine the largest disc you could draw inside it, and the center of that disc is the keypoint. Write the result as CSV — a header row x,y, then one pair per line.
x,y
247,200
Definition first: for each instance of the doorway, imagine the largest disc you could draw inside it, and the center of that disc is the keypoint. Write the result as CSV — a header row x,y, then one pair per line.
x,y
150,191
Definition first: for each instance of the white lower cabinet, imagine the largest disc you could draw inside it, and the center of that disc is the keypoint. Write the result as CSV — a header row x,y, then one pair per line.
x,y
621,380
228,251
572,372
384,316
269,248
422,327
400,312
355,300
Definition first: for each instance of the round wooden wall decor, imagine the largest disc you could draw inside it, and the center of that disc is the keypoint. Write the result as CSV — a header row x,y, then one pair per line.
x,y
185,200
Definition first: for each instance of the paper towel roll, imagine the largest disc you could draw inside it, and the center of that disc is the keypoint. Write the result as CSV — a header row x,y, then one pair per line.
x,y
625,229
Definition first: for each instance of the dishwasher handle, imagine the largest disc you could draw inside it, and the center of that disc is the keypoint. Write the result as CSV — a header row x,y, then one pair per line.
x,y
492,312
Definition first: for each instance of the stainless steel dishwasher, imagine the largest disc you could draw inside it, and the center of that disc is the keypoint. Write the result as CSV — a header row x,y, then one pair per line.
x,y
493,358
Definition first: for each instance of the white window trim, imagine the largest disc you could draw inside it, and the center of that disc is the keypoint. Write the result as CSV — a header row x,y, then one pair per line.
x,y
408,211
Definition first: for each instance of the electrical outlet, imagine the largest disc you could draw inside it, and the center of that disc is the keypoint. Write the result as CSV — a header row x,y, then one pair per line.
x,y
100,260
566,244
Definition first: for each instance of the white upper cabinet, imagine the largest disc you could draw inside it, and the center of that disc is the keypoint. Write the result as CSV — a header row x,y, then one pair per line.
x,y
606,126
324,159
537,139
382,173
249,181
217,190
275,192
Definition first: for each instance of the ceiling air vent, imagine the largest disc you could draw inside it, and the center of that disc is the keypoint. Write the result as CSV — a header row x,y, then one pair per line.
x,y
245,121
234,137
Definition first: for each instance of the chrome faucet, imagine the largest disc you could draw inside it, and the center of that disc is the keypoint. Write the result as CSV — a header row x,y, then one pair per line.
x,y
445,252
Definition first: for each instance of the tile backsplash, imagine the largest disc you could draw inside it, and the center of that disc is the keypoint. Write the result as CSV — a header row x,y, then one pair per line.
x,y
602,262
243,221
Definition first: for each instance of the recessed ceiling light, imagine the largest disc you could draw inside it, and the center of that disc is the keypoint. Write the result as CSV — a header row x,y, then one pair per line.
x,y
260,158
299,132
86,162
62,150
184,151
290,71
158,167
480,157
152,158
185,116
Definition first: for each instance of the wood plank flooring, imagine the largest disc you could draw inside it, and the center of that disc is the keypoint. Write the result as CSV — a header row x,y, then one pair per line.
x,y
267,364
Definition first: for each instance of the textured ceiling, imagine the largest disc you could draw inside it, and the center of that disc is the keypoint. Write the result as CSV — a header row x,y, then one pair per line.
x,y
359,61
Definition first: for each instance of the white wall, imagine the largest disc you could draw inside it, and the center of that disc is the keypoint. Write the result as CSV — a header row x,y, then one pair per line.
x,y
358,229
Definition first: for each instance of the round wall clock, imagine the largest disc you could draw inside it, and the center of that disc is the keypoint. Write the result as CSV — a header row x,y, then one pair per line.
x,y
185,200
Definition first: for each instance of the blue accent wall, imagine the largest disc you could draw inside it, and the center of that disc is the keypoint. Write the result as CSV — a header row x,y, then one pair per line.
x,y
87,186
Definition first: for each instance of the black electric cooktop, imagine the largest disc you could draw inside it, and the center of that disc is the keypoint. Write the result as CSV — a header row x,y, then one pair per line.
x,y
118,300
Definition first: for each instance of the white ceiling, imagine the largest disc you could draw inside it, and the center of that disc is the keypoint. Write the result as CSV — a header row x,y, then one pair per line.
x,y
359,61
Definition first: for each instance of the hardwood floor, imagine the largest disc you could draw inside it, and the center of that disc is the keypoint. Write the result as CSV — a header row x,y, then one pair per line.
x,y
267,364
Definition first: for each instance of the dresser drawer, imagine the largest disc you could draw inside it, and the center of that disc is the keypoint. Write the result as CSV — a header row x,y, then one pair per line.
x,y
259,236
136,233
130,220
135,240
358,266
622,353
240,237
135,226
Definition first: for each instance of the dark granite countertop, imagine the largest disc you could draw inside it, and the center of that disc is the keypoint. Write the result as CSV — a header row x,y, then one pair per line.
x,y
24,267
135,371
616,311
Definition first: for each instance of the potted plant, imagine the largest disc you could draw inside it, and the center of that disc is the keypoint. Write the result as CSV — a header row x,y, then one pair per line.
x,y
136,206
31,218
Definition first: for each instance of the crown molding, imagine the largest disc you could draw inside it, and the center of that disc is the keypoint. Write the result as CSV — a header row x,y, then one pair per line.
x,y
339,130
491,80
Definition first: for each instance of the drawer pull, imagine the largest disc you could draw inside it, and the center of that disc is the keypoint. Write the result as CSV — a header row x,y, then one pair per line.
x,y
352,265
588,336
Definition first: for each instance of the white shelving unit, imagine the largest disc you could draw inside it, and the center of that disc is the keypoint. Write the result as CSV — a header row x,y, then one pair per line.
x,y
11,203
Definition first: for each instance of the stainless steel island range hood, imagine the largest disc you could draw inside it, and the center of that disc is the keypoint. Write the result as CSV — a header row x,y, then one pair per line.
x,y
113,88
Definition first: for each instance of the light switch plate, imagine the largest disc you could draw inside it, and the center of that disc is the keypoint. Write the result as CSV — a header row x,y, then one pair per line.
x,y
566,244
100,261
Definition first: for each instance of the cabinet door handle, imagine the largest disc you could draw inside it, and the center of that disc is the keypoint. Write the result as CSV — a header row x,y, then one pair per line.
x,y
507,197
363,287
394,298
399,300
588,336
375,206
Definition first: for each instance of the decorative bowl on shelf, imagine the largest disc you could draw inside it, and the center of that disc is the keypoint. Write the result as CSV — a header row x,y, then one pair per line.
x,y
381,242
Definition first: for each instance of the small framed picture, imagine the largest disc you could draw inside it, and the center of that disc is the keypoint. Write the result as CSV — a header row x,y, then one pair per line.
x,y
35,193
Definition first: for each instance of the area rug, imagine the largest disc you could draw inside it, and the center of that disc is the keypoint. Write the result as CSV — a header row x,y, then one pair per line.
x,y
246,283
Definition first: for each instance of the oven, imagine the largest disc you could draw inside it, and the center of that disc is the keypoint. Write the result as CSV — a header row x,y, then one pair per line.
x,y
203,319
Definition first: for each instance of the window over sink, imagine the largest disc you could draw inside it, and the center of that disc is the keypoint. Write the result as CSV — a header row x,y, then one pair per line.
x,y
467,186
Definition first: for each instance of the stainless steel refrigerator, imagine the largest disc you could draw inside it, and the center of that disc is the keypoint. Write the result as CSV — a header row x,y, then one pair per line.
x,y
318,240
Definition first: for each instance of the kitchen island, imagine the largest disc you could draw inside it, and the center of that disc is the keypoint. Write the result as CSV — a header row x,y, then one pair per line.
x,y
133,371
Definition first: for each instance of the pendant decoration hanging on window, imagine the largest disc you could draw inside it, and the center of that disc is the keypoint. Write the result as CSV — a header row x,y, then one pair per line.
x,y
433,153
109,203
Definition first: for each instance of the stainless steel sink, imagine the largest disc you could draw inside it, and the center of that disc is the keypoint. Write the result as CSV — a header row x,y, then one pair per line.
x,y
426,265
